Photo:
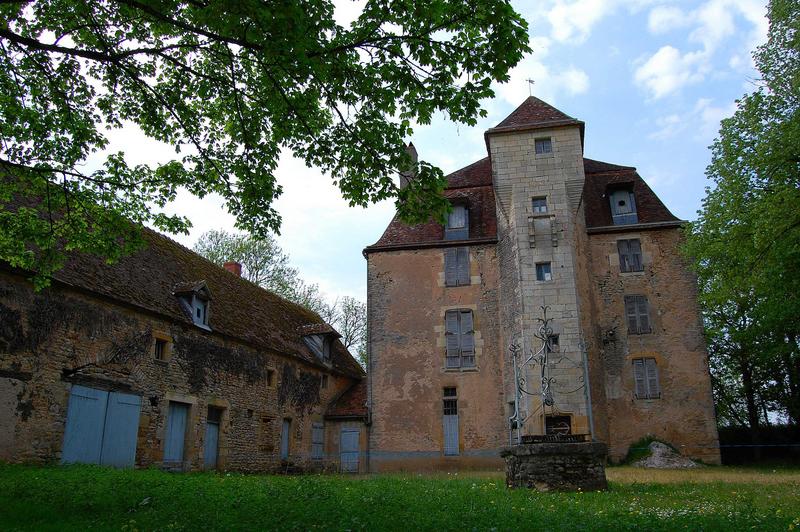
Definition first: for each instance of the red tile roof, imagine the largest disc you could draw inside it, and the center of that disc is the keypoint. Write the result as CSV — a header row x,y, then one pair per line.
x,y
240,309
602,177
351,404
534,113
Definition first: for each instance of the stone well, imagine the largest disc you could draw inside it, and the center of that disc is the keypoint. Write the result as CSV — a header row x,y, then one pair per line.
x,y
562,466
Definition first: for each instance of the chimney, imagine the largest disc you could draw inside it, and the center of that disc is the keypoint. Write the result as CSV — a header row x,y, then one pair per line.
x,y
233,267
407,175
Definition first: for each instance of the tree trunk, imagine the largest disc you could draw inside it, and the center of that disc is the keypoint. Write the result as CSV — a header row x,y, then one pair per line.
x,y
750,401
792,362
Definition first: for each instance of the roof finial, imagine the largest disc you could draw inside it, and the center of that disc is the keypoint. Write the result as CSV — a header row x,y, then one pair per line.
x,y
530,86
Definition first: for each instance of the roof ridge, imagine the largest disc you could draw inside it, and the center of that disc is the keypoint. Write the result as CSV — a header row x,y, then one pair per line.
x,y
534,111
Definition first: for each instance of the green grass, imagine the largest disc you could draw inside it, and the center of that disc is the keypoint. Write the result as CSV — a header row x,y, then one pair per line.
x,y
86,497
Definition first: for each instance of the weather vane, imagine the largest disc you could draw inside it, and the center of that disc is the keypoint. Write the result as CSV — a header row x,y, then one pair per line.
x,y
530,86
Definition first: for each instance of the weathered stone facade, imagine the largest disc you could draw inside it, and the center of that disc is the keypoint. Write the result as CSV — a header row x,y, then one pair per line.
x,y
67,336
556,466
541,234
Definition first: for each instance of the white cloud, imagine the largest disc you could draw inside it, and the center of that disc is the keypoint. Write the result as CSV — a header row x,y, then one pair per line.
x,y
668,70
666,18
573,21
702,122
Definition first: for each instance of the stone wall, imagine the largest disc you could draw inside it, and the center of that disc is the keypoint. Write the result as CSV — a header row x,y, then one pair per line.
x,y
684,414
59,337
556,466
407,300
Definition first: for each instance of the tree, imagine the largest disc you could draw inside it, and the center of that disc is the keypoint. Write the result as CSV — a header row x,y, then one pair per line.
x,y
745,244
230,84
349,317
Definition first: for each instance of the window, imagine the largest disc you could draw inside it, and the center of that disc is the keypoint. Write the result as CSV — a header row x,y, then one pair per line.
x,y
450,422
539,205
543,272
645,376
623,207
320,345
637,315
317,440
195,300
450,402
459,338
544,146
160,349
554,345
324,382
457,227
456,267
630,255
271,378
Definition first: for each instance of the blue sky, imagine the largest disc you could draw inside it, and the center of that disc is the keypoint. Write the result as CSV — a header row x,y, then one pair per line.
x,y
651,79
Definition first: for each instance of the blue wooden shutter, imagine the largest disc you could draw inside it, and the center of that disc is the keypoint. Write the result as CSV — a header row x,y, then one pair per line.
x,y
630,314
349,449
463,266
450,267
640,378
285,428
121,429
211,449
653,384
317,440
635,247
643,314
450,427
457,227
452,339
83,434
176,432
467,339
623,248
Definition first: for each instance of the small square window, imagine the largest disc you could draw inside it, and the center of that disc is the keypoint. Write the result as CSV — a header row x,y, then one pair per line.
x,y
554,342
450,392
160,349
271,378
543,146
539,205
543,272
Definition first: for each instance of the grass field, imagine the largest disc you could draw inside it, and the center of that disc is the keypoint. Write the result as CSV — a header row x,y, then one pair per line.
x,y
86,497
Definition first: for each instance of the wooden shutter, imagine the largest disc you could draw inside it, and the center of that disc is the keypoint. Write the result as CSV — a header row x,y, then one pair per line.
x,y
467,339
635,250
623,248
644,318
450,267
630,314
653,385
452,339
639,378
463,266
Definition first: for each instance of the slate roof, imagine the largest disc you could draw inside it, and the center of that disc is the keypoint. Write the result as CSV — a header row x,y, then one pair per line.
x,y
532,114
351,404
238,308
602,177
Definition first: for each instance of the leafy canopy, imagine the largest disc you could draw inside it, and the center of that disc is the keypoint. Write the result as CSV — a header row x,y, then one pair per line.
x,y
746,241
229,84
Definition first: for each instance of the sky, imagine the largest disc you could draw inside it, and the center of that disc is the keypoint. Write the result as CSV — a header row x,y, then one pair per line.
x,y
650,78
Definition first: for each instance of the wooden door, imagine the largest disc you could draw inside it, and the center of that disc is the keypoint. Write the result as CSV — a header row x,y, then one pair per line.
x,y
176,432
349,449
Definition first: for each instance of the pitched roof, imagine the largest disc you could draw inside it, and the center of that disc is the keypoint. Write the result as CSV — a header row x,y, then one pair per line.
x,y
471,186
532,114
351,404
602,177
240,309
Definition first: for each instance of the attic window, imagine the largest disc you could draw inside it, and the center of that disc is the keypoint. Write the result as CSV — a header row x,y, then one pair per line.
x,y
623,207
543,146
196,302
457,227
320,345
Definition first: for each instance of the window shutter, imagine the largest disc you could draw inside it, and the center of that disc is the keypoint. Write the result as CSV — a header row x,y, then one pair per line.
x,y
623,248
452,339
639,378
644,318
463,266
450,267
635,249
653,385
630,313
467,339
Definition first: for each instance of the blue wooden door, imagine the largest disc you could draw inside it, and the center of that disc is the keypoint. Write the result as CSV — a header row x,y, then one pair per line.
x,y
121,427
287,425
211,445
83,434
349,449
176,432
450,435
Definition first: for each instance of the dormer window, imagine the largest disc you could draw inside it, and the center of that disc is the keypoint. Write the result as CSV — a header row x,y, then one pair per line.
x,y
457,227
623,207
195,299
320,345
